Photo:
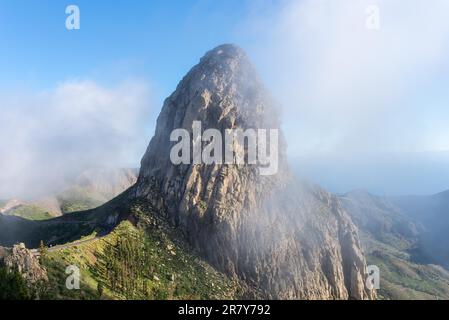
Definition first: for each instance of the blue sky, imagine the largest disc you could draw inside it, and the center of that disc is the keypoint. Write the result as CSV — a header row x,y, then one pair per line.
x,y
360,108
155,39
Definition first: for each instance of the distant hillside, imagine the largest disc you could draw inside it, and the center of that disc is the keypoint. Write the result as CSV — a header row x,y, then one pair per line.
x,y
90,190
392,232
382,219
433,213
66,228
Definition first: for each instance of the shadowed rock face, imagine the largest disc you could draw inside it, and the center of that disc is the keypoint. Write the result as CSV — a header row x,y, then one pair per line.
x,y
290,240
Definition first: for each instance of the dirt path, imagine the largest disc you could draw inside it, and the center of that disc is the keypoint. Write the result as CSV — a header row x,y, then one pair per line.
x,y
65,246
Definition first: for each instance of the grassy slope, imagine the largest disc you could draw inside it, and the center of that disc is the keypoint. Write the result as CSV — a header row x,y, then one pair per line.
x,y
77,199
74,200
97,187
402,279
62,229
31,212
169,273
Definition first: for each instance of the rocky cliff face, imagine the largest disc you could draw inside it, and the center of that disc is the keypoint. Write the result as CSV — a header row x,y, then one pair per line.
x,y
290,240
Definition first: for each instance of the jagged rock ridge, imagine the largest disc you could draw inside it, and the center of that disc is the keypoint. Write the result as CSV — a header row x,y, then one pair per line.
x,y
290,240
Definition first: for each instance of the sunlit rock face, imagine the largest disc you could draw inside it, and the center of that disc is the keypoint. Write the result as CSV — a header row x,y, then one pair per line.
x,y
21,259
285,238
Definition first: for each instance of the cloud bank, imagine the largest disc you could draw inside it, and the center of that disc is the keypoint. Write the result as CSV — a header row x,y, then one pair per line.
x,y
348,88
47,138
362,107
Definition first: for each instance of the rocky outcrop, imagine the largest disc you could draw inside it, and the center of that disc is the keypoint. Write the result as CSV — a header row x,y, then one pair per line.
x,y
289,239
26,263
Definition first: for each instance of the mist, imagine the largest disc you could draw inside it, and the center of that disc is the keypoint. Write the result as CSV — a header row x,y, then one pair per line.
x,y
48,138
356,93
351,96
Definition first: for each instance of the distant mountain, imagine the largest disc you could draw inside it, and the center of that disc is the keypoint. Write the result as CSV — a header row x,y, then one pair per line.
x,y
433,213
400,235
382,218
89,190
95,187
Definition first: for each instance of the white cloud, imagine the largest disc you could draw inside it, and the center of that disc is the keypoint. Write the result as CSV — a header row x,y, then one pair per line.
x,y
345,87
48,137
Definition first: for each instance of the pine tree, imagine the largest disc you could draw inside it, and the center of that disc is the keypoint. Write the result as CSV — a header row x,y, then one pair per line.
x,y
100,289
42,250
13,286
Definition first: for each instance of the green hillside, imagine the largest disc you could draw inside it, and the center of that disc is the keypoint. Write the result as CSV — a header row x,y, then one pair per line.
x,y
389,237
31,212
78,199
89,190
136,263
402,279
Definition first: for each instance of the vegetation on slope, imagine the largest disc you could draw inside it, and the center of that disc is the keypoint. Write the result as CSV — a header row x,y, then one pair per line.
x,y
401,279
13,286
30,212
77,199
135,263
90,190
